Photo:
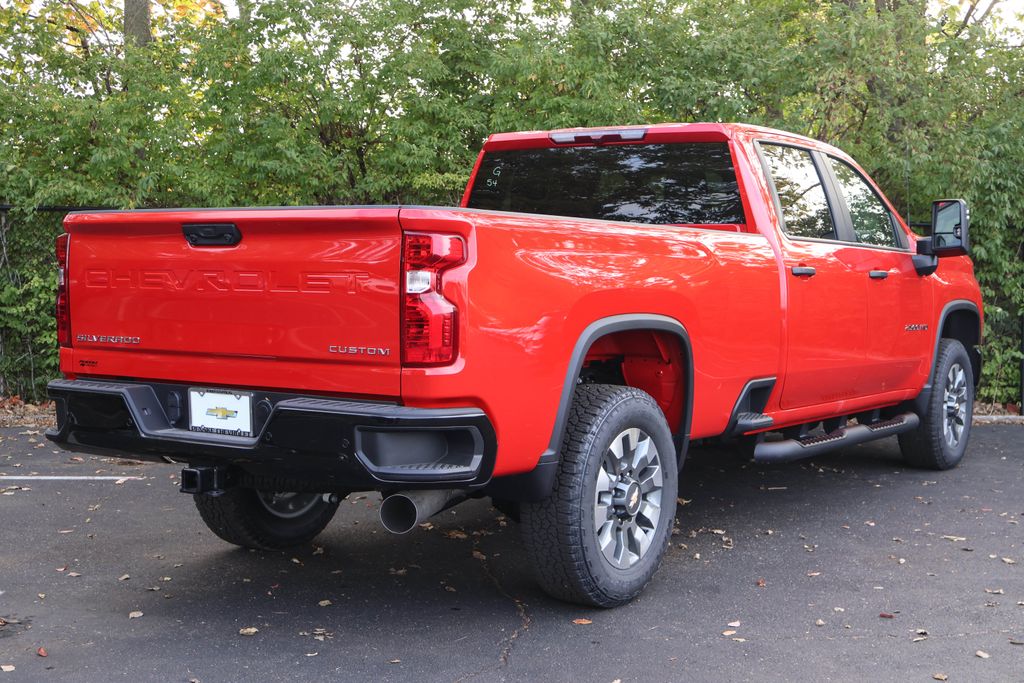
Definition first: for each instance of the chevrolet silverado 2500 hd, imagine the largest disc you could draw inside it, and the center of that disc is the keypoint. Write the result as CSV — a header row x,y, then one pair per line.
x,y
600,298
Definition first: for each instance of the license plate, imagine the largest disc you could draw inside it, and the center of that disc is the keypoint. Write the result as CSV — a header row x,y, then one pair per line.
x,y
220,412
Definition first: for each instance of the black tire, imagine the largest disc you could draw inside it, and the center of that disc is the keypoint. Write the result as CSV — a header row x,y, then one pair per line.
x,y
561,533
241,517
930,446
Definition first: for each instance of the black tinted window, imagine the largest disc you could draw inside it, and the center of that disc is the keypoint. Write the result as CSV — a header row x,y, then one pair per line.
x,y
872,223
805,210
673,183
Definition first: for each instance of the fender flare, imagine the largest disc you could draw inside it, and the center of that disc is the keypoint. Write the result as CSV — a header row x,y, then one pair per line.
x,y
611,325
920,402
949,308
537,484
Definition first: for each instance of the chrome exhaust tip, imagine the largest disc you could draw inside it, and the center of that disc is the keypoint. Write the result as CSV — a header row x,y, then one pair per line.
x,y
401,512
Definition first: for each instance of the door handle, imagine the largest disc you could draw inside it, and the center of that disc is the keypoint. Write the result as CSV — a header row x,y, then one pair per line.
x,y
878,274
802,271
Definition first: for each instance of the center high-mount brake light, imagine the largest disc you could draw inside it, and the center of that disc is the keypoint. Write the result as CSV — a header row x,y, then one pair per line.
x,y
598,136
63,306
429,321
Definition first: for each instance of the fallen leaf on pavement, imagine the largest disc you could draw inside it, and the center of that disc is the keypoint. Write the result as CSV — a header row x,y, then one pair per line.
x,y
248,631
940,677
134,615
761,583
740,640
955,539
325,603
42,652
479,555
982,654
73,574
734,624
7,668
995,591
123,577
1016,641
886,615
1007,560
819,622
582,622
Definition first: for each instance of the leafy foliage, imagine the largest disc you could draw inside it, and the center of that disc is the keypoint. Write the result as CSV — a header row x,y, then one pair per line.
x,y
306,102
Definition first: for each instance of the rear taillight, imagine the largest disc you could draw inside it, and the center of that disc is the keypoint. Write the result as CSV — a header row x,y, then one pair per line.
x,y
429,321
63,306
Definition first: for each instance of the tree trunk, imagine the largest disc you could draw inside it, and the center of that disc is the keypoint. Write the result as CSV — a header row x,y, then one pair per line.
x,y
137,22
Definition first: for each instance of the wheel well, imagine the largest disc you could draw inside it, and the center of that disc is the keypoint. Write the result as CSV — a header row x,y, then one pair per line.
x,y
964,325
653,361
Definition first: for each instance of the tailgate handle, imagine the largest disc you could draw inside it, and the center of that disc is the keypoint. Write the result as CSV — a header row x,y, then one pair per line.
x,y
212,234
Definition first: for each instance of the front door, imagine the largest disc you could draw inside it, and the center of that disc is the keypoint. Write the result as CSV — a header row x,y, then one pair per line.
x,y
898,299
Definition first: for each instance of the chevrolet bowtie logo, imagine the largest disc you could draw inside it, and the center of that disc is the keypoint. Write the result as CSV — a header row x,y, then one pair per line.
x,y
221,413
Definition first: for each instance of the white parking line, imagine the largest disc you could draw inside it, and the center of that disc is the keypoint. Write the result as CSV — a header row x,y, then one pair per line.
x,y
46,477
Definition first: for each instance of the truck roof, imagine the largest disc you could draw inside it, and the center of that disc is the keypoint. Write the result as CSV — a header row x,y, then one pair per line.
x,y
657,132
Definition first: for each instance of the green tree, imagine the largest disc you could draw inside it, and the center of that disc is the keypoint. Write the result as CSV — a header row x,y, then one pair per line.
x,y
306,102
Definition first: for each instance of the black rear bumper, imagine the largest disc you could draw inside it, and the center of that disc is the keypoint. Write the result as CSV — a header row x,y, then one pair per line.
x,y
312,443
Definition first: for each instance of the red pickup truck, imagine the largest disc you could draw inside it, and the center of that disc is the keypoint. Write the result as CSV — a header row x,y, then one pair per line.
x,y
600,299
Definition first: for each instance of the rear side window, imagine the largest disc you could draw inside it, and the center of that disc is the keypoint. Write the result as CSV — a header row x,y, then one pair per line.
x,y
805,209
679,183
872,222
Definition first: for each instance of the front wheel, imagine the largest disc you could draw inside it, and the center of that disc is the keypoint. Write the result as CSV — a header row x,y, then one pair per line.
x,y
940,441
601,535
265,520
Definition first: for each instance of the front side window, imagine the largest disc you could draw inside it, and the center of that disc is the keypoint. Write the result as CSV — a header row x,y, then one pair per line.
x,y
872,222
805,210
676,183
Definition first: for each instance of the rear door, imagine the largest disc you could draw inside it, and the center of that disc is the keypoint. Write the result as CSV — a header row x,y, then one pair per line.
x,y
826,314
307,299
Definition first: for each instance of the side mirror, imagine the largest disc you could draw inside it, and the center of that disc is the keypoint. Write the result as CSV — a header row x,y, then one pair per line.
x,y
949,235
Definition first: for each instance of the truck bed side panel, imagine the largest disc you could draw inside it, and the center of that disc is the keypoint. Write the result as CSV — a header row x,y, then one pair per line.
x,y
534,283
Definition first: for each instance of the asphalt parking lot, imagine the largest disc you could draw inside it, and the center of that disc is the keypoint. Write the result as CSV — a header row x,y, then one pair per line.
x,y
843,568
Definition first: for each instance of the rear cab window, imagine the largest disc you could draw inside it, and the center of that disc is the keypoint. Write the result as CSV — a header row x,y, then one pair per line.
x,y
679,183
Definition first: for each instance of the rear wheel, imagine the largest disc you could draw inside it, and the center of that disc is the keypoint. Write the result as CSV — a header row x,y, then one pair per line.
x,y
602,534
940,441
265,520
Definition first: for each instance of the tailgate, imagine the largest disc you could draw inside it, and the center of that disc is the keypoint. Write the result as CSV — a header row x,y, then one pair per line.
x,y
308,299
